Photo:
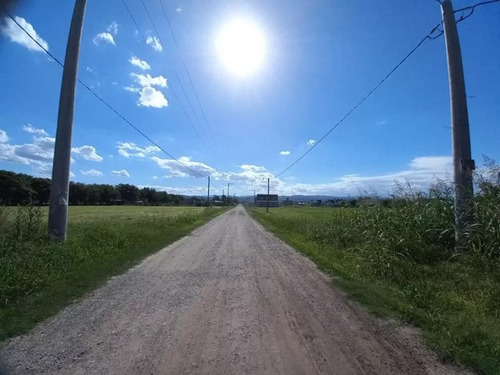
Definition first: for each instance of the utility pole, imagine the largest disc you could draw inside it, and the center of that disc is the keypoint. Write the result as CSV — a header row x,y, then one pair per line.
x,y
267,209
59,191
462,159
208,194
254,196
228,190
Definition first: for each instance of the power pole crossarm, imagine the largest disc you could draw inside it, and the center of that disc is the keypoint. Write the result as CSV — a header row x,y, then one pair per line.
x,y
59,191
462,160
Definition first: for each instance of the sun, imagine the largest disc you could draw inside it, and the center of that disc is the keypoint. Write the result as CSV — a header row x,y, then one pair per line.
x,y
241,46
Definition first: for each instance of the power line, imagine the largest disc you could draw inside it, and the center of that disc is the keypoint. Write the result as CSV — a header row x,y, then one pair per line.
x,y
175,72
428,36
170,86
168,22
471,9
151,20
106,103
133,19
476,5
185,68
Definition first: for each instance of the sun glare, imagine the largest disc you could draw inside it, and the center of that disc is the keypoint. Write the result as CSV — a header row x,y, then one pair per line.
x,y
240,45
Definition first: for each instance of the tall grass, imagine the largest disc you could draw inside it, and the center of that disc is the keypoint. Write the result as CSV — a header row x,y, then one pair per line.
x,y
38,276
398,257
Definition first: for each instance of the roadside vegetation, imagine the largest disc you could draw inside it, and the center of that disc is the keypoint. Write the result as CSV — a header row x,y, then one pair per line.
x,y
38,277
397,257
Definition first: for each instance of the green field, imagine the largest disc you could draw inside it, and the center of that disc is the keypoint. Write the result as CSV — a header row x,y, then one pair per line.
x,y
400,262
38,277
99,213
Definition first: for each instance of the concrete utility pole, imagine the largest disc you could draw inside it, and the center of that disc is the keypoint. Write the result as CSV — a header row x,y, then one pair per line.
x,y
59,191
267,209
208,194
462,160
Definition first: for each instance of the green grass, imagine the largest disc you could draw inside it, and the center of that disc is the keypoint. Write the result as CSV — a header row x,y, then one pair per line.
x,y
399,261
39,277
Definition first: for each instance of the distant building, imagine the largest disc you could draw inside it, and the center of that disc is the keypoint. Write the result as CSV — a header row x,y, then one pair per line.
x,y
263,200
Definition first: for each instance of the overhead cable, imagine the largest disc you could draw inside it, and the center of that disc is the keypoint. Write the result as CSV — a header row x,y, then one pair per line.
x,y
106,103
429,36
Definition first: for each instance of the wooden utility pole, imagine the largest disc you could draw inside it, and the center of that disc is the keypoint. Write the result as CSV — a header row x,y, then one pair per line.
x,y
59,191
462,160
267,209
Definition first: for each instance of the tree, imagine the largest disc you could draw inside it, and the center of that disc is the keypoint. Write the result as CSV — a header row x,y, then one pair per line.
x,y
77,193
15,188
107,193
41,187
129,193
149,195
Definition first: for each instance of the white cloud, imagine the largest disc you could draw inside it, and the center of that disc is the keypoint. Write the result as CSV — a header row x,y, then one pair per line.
x,y
150,97
155,43
311,142
196,169
132,89
142,64
40,152
253,168
129,149
438,163
32,130
146,80
92,172
381,122
105,38
285,153
112,28
4,138
178,190
122,173
87,153
421,173
178,10
17,35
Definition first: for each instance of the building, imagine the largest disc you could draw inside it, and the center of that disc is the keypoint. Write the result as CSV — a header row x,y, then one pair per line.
x,y
262,200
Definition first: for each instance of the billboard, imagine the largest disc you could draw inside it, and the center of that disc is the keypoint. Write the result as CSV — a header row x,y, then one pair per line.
x,y
264,200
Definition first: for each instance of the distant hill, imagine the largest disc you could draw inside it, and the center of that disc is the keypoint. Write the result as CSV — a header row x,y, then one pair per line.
x,y
299,198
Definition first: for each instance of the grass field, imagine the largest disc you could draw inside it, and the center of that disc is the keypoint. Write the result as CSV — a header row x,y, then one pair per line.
x,y
39,277
400,263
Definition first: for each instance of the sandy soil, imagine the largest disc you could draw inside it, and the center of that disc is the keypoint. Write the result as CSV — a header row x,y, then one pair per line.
x,y
228,299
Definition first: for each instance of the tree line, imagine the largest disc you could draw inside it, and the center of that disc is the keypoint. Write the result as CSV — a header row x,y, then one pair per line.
x,y
22,189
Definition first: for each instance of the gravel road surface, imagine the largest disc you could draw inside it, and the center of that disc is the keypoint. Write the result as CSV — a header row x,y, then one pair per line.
x,y
229,298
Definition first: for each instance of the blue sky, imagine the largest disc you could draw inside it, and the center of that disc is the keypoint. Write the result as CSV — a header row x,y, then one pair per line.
x,y
319,58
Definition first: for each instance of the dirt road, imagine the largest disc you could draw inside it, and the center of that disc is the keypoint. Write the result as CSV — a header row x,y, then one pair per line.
x,y
227,299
